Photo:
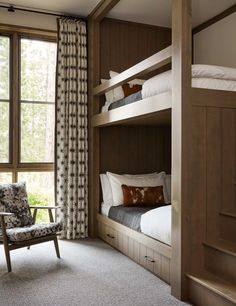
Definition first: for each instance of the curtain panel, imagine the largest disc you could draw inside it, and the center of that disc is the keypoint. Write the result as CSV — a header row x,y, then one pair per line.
x,y
71,173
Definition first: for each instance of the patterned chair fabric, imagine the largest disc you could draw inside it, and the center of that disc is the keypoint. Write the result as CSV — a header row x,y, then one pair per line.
x,y
13,199
18,234
21,227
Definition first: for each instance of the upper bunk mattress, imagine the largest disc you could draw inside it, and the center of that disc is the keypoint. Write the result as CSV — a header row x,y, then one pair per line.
x,y
156,223
203,76
128,216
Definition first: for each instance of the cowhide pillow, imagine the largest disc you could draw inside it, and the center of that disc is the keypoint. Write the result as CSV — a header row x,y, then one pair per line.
x,y
13,199
141,196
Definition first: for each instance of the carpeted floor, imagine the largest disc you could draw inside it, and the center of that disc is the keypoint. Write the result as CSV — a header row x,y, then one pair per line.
x,y
90,273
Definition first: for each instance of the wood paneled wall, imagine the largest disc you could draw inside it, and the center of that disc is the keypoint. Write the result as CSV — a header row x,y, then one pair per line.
x,y
135,149
124,44
132,149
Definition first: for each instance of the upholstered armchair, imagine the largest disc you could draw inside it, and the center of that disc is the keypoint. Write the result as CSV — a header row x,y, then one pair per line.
x,y
17,225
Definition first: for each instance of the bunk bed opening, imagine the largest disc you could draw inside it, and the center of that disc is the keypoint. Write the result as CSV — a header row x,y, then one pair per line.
x,y
196,112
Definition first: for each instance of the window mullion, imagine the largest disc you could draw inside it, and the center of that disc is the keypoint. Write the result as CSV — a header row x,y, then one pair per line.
x,y
15,104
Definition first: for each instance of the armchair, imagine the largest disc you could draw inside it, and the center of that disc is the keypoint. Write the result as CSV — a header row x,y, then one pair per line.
x,y
17,226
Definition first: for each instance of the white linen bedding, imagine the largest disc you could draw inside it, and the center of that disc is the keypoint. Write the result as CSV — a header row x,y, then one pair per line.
x,y
203,76
105,209
156,223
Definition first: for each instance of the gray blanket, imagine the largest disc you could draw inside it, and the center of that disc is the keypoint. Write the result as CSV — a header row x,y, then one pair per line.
x,y
130,99
128,216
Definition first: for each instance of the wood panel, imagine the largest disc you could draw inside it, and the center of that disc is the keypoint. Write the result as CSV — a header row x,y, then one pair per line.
x,y
124,44
197,188
135,149
150,64
181,144
149,253
208,290
155,110
228,160
214,186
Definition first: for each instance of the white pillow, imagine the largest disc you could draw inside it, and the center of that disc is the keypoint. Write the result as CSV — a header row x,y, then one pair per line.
x,y
106,186
117,180
140,175
113,94
133,82
168,187
106,190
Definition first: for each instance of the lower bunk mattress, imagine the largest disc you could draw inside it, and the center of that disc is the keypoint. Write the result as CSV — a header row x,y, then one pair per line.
x,y
154,222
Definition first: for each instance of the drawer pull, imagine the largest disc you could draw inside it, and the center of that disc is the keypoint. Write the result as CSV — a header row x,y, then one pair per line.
x,y
112,237
149,258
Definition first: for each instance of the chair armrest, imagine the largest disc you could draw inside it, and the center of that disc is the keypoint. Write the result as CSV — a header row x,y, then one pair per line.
x,y
44,207
5,214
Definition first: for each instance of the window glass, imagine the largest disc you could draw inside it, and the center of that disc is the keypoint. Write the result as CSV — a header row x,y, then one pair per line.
x,y
40,189
4,98
38,68
5,177
37,133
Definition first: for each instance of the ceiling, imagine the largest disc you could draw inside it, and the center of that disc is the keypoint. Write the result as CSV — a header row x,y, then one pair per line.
x,y
156,12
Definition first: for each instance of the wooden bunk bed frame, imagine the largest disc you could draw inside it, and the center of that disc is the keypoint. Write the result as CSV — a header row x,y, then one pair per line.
x,y
199,119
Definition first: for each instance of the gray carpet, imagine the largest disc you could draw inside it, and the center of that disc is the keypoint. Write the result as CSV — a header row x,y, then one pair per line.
x,y
90,273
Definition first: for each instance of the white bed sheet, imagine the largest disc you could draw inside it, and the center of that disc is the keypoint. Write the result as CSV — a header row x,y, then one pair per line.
x,y
156,223
105,209
163,82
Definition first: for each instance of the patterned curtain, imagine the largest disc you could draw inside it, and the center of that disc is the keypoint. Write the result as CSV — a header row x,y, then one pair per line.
x,y
72,128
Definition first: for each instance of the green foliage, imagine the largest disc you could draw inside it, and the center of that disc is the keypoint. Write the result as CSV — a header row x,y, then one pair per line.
x,y
36,199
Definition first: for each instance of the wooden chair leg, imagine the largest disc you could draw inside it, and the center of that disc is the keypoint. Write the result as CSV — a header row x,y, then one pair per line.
x,y
8,258
56,247
5,243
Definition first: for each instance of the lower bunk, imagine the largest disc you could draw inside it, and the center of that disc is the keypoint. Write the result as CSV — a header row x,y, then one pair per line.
x,y
151,254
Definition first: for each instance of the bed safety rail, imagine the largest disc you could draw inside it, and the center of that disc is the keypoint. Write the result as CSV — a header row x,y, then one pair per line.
x,y
150,64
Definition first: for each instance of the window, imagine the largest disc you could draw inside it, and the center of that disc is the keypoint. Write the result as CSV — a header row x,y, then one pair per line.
x,y
4,98
27,102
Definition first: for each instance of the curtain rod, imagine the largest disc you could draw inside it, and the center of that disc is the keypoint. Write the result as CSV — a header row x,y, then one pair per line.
x,y
12,8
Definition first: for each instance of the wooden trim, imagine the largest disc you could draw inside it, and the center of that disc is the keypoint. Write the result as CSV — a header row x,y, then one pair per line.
x,y
222,246
214,284
137,24
8,29
154,244
15,104
138,110
227,214
181,139
213,98
22,244
214,19
148,65
27,167
102,9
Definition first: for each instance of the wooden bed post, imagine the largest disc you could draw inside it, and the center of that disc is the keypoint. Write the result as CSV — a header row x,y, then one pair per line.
x,y
94,20
181,121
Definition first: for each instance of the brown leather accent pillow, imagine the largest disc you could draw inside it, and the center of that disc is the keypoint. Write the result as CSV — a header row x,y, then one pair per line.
x,y
131,89
143,196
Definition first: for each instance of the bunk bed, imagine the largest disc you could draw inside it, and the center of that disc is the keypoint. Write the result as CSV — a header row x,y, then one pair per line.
x,y
199,119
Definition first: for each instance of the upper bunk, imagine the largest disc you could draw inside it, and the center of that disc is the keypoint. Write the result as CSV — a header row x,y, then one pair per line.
x,y
141,112
157,109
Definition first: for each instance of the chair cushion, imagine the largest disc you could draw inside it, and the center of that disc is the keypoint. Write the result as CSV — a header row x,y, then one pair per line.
x,y
18,234
13,199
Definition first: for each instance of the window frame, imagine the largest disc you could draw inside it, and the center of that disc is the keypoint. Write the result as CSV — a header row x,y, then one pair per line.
x,y
15,34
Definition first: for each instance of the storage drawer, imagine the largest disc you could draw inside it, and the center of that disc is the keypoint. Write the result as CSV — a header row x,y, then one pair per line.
x,y
146,257
111,236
